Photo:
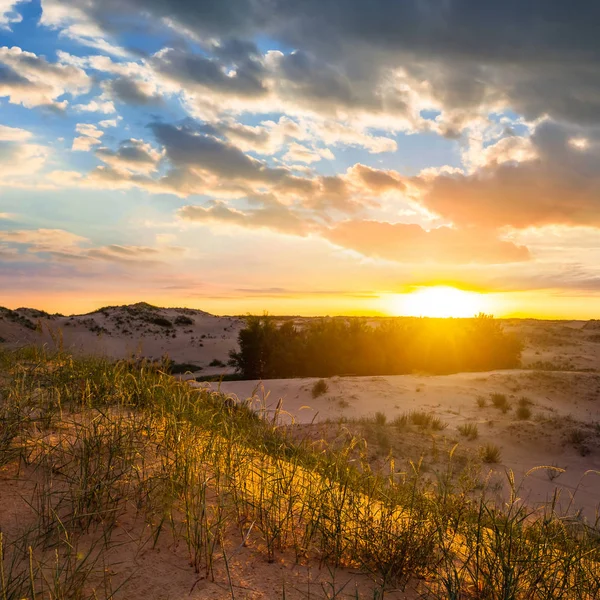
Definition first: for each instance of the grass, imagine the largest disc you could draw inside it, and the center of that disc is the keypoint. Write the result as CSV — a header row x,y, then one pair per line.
x,y
319,388
523,413
105,442
500,402
490,454
469,431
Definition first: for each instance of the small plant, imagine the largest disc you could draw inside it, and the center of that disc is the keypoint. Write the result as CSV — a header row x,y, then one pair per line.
x,y
380,419
481,402
401,422
500,402
183,320
181,368
554,472
424,420
577,436
215,362
523,413
469,430
319,388
490,454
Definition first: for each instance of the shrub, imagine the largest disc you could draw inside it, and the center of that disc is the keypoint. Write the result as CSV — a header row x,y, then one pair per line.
x,y
380,418
500,402
183,320
469,430
481,402
577,436
161,322
342,346
180,368
490,454
523,413
215,362
319,388
401,422
425,420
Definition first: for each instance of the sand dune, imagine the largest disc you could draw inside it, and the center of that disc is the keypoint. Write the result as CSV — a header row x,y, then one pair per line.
x,y
560,378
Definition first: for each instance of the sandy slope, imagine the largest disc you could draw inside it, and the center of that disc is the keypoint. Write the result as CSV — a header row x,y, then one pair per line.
x,y
561,403
135,330
564,386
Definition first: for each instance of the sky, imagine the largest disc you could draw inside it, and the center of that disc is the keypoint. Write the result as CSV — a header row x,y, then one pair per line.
x,y
314,157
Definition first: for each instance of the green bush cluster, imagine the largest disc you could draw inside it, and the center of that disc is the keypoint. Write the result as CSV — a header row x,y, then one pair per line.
x,y
341,346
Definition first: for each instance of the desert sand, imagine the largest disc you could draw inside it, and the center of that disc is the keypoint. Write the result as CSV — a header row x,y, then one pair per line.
x,y
560,377
560,382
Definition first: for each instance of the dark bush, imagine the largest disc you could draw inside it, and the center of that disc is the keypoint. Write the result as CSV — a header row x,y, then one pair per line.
x,y
161,322
319,388
180,368
183,320
342,346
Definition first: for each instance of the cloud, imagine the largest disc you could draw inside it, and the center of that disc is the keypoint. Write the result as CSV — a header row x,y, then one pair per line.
x,y
43,240
30,80
63,245
459,57
558,184
300,153
100,105
196,72
13,134
412,244
275,217
132,155
132,91
19,158
108,123
9,14
185,147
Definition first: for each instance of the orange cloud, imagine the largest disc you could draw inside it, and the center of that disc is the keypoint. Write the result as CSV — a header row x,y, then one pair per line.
x,y
411,243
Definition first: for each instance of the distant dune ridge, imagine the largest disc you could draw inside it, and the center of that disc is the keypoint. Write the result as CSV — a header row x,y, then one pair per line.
x,y
184,334
189,335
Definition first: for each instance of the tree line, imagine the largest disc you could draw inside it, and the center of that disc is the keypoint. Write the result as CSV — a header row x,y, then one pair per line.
x,y
350,346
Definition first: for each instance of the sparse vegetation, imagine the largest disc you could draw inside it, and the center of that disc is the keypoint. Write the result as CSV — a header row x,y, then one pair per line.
x,y
183,320
319,388
469,431
181,368
215,362
490,454
124,453
481,402
523,413
339,346
500,401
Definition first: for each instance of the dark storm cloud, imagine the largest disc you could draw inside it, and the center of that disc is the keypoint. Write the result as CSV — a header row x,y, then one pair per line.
x,y
192,70
131,91
541,56
185,147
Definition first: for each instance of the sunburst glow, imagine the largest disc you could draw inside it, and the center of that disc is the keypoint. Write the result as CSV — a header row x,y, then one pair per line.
x,y
437,301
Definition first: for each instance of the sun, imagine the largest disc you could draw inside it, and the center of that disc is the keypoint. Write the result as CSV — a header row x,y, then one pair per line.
x,y
436,301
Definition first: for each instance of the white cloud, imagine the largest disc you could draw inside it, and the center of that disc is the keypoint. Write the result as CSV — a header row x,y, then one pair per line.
x,y
32,81
9,14
13,134
100,106
84,143
297,152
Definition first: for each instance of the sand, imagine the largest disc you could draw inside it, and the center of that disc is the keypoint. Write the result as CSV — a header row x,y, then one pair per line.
x,y
560,379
